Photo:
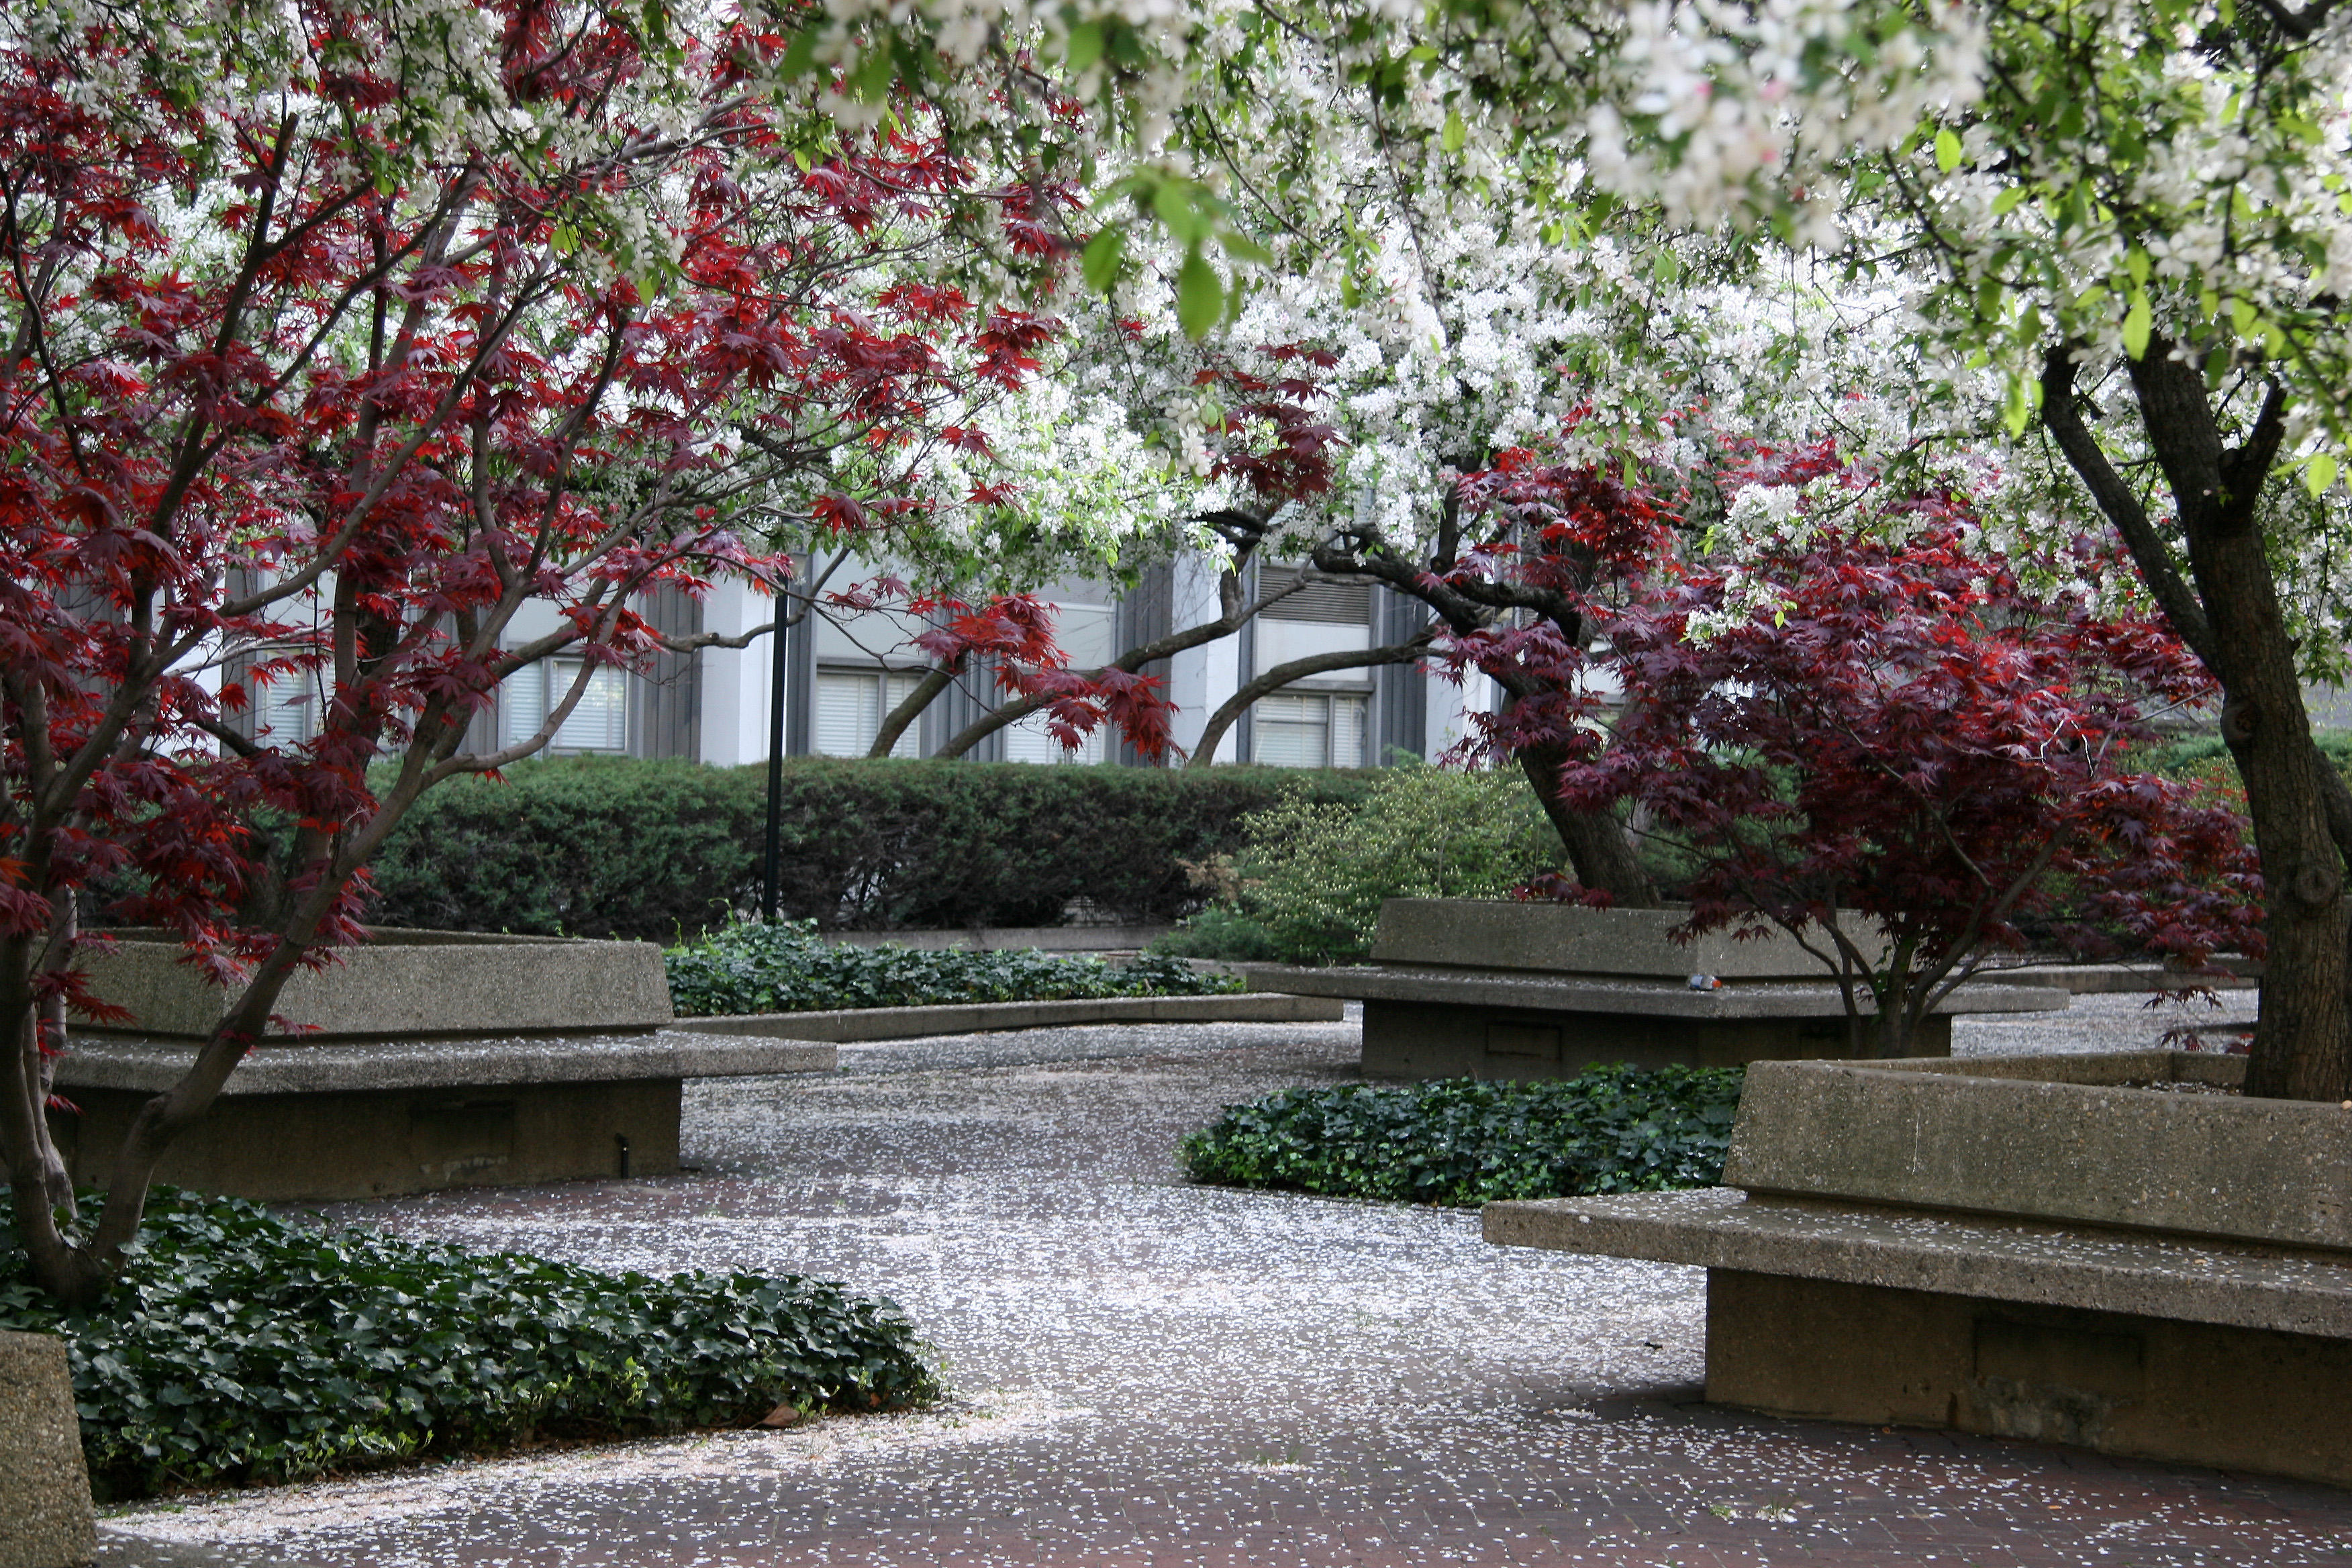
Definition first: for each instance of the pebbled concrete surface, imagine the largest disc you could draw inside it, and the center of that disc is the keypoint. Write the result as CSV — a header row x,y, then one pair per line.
x,y
1148,1373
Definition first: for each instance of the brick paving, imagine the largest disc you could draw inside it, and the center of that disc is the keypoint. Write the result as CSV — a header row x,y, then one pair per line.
x,y
1148,1373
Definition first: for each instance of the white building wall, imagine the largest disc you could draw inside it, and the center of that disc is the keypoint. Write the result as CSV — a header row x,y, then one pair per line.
x,y
1200,679
1449,710
733,691
735,680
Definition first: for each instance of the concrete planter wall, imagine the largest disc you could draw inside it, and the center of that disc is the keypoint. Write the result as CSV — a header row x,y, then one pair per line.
x,y
1629,944
2099,1250
45,1517
432,1059
1468,987
403,985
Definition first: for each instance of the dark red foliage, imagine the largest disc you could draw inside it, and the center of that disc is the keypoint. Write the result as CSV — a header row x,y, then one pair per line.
x,y
371,389
1881,717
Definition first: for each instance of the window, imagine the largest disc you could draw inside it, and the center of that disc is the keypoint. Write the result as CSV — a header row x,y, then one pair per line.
x,y
599,723
1029,740
1309,731
291,709
1337,604
851,706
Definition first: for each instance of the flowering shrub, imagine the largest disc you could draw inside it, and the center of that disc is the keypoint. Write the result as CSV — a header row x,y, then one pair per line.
x,y
1311,881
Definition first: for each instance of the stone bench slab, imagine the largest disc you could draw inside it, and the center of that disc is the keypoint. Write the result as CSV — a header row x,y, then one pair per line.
x,y
1988,1258
850,1026
1571,994
152,1066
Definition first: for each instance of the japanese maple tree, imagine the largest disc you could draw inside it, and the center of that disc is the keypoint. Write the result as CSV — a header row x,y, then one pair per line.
x,y
1869,710
336,337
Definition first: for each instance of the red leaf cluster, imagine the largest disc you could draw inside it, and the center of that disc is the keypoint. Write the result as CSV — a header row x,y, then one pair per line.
x,y
1880,715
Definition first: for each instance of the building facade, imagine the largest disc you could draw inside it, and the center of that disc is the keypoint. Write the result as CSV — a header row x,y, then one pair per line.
x,y
844,673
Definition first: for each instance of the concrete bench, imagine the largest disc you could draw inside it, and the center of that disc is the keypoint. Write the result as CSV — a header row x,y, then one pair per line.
x,y
1465,987
435,1060
2100,1250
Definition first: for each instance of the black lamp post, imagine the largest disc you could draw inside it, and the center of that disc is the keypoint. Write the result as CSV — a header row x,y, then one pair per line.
x,y
771,858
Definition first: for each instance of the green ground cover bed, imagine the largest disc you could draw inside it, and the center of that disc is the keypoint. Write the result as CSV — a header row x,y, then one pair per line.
x,y
1462,1142
788,968
242,1348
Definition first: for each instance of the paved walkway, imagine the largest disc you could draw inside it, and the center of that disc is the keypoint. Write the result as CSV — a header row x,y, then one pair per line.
x,y
1148,1373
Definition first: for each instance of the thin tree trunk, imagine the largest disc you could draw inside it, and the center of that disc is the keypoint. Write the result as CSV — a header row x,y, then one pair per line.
x,y
56,1179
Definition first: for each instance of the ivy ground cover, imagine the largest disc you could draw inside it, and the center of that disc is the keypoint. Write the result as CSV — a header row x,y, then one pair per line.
x,y
1463,1141
239,1347
788,968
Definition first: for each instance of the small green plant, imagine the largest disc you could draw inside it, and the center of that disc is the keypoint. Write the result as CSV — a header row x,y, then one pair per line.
x,y
239,1347
788,968
1463,1141
1308,886
1222,933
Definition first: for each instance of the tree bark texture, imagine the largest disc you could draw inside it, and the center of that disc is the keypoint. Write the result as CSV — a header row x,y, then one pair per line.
x,y
2229,613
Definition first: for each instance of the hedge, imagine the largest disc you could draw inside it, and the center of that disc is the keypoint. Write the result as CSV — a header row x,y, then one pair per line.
x,y
662,850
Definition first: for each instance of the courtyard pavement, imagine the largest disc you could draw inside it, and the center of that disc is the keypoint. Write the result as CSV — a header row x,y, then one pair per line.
x,y
1150,1373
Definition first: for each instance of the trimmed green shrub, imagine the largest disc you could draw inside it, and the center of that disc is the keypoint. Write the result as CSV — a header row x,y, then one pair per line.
x,y
788,968
663,850
239,1347
1463,1141
1221,931
1309,885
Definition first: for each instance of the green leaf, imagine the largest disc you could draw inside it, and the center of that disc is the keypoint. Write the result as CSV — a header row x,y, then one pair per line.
x,y
1947,150
1457,135
1245,248
1085,47
1180,207
1100,263
2319,473
1200,296
875,76
2139,322
2017,406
